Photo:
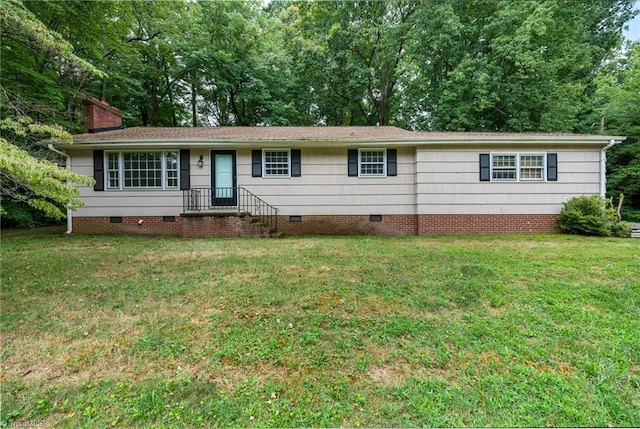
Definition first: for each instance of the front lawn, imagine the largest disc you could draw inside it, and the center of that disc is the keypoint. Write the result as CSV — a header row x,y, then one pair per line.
x,y
320,331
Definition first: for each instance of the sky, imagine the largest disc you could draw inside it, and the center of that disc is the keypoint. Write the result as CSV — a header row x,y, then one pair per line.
x,y
633,33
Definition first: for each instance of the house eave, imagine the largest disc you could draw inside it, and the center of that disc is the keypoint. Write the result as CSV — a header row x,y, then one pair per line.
x,y
418,141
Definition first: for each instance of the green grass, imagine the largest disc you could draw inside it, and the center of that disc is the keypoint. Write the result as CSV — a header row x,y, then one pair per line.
x,y
320,331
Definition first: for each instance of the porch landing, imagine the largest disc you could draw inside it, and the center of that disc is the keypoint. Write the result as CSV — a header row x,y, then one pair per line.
x,y
216,213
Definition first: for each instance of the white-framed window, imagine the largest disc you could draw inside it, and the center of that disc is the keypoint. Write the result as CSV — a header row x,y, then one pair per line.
x,y
142,170
276,162
531,167
516,167
172,168
372,162
113,170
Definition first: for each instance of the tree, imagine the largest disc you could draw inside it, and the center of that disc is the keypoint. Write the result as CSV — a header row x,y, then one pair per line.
x,y
348,56
509,66
617,110
136,42
40,183
236,65
447,65
41,71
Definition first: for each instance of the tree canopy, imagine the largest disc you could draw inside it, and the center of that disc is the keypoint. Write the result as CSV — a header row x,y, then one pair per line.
x,y
474,65
38,182
617,109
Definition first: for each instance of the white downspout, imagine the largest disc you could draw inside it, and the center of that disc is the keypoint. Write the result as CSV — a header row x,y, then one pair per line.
x,y
69,211
603,168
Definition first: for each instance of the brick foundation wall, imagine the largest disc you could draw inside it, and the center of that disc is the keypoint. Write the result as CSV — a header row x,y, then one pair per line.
x,y
151,225
487,224
348,225
220,226
200,226
235,226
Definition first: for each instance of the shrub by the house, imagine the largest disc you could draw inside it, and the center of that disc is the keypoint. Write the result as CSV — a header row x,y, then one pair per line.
x,y
591,215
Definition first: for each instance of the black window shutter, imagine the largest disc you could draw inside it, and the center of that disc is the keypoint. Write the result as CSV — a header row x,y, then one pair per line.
x,y
485,167
185,169
392,162
256,163
353,162
98,170
296,170
552,167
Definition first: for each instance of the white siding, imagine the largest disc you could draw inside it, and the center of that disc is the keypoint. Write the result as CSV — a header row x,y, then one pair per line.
x,y
200,177
429,181
124,202
447,182
325,188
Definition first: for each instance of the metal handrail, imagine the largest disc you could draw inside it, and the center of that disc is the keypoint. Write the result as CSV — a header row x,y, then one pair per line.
x,y
232,199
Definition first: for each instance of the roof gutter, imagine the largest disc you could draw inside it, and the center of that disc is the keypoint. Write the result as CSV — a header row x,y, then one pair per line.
x,y
413,142
603,168
68,165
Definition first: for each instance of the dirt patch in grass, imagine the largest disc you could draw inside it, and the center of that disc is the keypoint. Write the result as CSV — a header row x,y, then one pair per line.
x,y
391,375
179,256
561,368
47,359
479,363
238,278
229,377
398,373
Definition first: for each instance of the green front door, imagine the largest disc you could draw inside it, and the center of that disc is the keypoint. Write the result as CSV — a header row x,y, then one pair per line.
x,y
223,174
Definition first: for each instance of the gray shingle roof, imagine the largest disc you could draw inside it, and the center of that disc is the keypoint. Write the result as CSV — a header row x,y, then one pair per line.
x,y
311,134
247,133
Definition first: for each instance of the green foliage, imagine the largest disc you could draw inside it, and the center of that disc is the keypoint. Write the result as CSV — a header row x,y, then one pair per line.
x,y
240,68
617,104
19,21
21,215
509,66
623,176
16,215
348,58
40,183
590,215
629,214
447,65
42,73
621,229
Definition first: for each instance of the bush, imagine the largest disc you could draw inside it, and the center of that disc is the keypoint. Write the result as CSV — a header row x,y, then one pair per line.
x,y
621,229
630,214
21,215
590,215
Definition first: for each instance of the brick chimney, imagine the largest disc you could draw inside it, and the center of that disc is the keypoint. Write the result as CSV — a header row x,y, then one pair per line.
x,y
99,116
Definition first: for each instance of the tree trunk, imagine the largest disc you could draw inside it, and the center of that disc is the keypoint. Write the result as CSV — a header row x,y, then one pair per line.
x,y
194,107
174,117
154,105
234,108
144,115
